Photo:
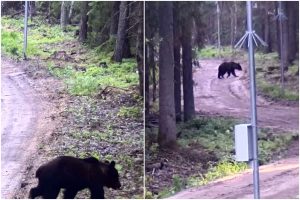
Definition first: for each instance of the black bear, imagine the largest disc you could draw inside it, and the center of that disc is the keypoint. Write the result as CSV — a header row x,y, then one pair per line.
x,y
228,67
75,174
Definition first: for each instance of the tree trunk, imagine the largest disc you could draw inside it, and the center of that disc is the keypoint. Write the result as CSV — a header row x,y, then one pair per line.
x,y
118,53
177,67
126,46
70,12
188,93
83,22
153,67
32,9
267,27
167,121
63,15
285,37
48,17
147,74
114,19
140,47
293,21
278,32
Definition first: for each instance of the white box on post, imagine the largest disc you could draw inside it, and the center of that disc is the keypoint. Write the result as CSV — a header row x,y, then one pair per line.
x,y
243,142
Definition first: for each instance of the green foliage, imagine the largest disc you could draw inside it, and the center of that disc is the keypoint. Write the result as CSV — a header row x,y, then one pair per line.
x,y
217,135
90,82
39,35
130,112
223,168
274,91
213,134
214,52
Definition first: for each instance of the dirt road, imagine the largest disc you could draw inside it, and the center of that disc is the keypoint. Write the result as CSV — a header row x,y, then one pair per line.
x,y
278,180
230,97
23,122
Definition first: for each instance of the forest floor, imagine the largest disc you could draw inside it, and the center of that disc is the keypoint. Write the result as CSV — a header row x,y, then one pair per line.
x,y
230,97
42,120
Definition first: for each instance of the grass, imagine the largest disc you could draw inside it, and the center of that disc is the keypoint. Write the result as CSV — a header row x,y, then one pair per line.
x,y
214,52
130,112
268,81
96,78
217,135
39,34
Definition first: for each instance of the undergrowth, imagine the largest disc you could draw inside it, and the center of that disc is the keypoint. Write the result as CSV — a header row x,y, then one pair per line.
x,y
39,35
217,135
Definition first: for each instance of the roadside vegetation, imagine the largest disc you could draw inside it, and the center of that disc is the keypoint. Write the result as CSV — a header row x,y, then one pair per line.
x,y
205,153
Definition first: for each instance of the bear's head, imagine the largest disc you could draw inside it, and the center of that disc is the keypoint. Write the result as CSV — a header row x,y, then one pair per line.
x,y
112,176
238,66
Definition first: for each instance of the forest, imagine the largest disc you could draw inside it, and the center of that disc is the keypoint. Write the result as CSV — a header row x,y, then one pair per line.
x,y
84,70
190,113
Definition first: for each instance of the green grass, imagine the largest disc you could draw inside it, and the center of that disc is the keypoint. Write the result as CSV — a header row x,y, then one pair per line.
x,y
217,135
272,88
214,52
130,112
96,78
39,34
222,169
274,91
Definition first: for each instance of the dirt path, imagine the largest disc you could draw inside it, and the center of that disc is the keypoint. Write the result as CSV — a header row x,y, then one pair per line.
x,y
24,121
278,180
230,97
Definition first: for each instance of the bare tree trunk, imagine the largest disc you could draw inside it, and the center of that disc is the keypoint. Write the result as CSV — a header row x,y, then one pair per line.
x,y
177,67
188,92
285,35
167,121
218,24
147,85
32,9
277,31
267,31
114,19
153,67
83,21
293,20
70,12
118,53
63,16
140,46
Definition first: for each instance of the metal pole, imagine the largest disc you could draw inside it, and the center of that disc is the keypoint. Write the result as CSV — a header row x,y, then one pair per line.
x,y
25,30
253,103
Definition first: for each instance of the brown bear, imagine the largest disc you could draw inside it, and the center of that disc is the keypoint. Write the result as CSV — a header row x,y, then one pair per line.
x,y
75,174
228,67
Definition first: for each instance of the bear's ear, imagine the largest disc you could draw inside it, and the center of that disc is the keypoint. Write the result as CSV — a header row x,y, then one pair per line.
x,y
107,162
112,164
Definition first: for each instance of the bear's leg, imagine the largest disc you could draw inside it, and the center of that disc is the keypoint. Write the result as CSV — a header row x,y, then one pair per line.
x,y
228,74
233,73
70,193
34,192
51,192
220,75
97,193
